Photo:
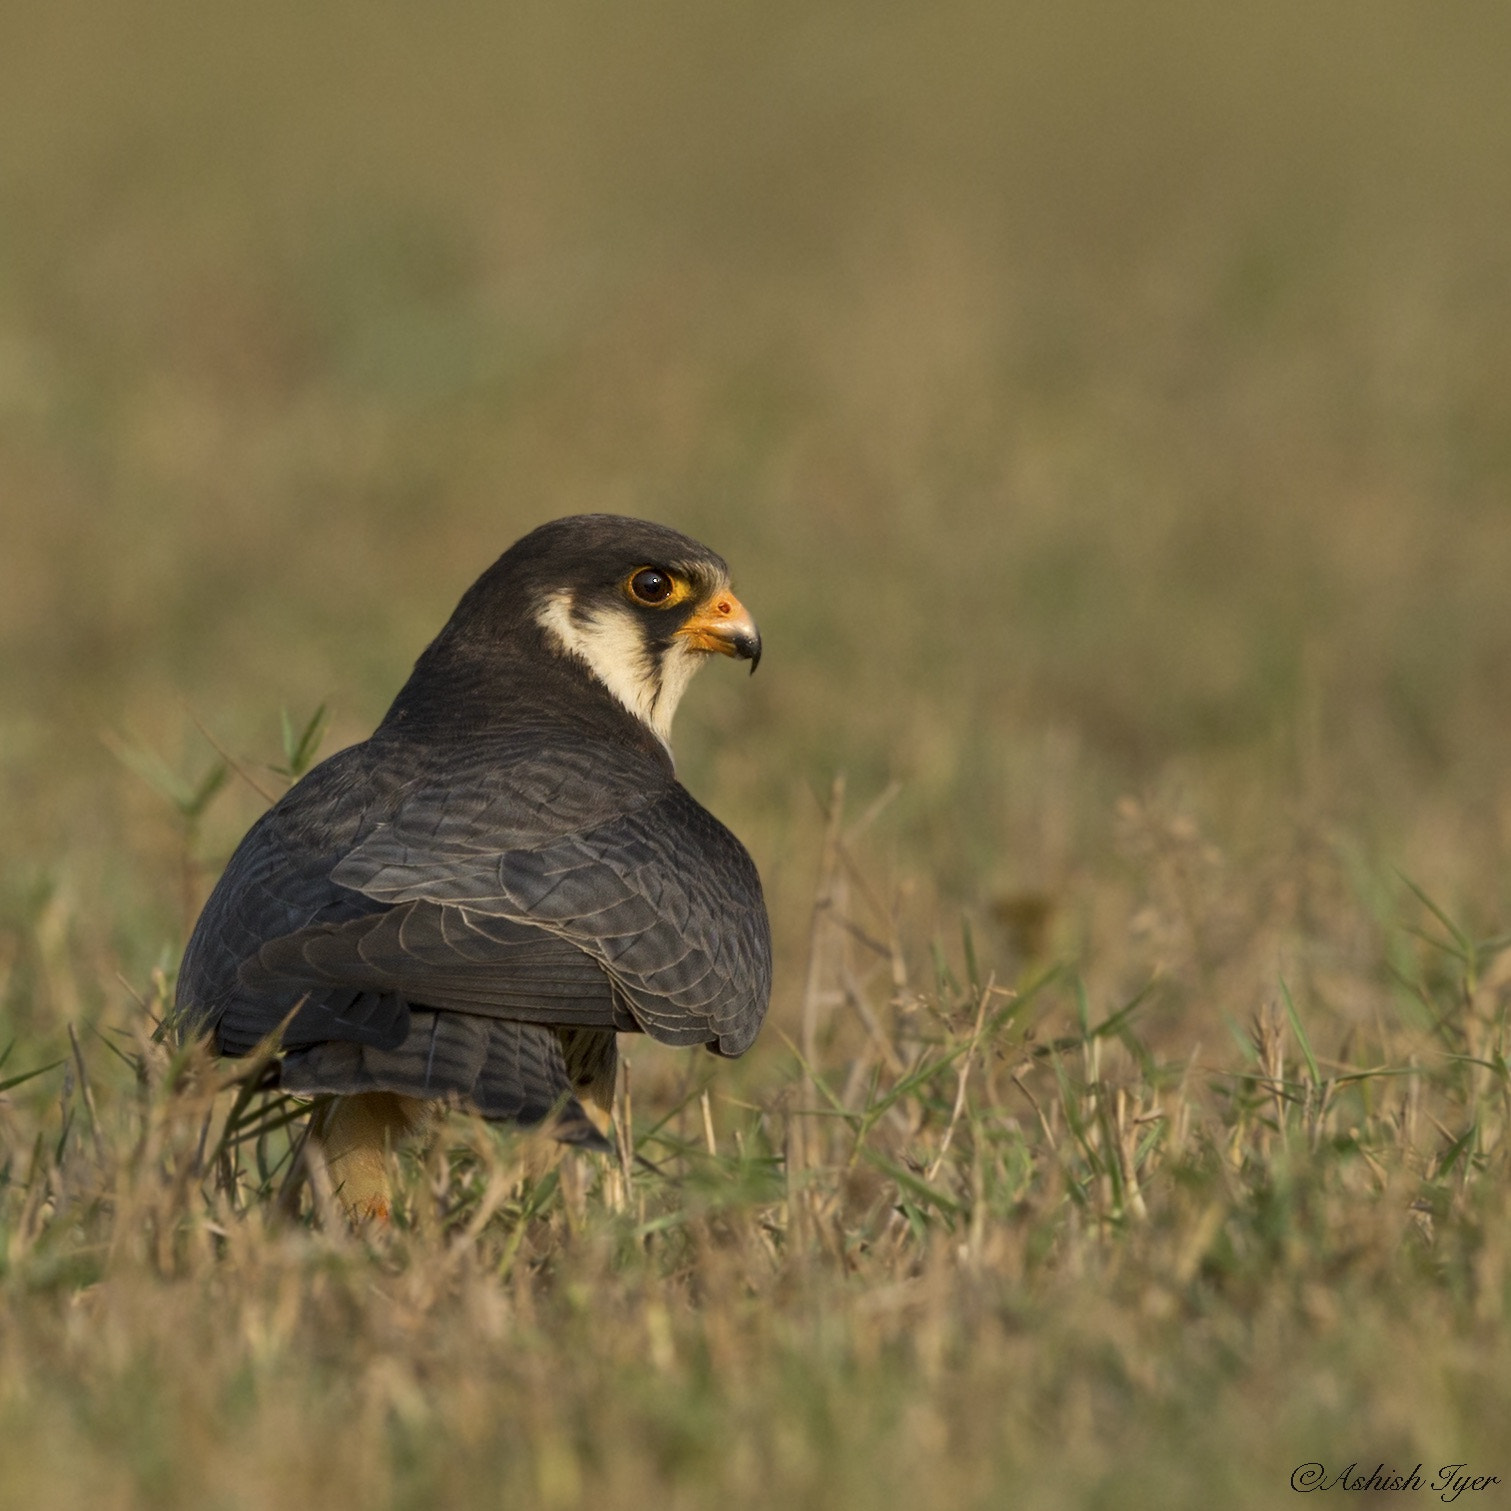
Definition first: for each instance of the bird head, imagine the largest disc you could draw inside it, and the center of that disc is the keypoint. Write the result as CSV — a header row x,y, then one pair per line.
x,y
639,605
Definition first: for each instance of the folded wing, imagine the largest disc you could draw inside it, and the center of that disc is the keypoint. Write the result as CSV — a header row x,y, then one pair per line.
x,y
663,899
530,881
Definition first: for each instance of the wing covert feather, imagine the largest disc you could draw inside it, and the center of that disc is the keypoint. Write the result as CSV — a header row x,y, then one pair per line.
x,y
534,877
663,896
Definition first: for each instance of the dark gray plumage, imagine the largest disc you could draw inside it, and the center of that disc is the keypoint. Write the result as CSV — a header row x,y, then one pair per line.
x,y
469,904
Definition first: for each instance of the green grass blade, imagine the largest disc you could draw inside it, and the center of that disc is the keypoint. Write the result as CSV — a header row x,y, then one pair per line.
x,y
1300,1033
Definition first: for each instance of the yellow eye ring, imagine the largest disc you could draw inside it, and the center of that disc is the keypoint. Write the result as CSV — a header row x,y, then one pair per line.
x,y
655,588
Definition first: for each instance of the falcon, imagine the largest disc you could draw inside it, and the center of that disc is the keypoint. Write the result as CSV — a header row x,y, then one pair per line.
x,y
466,908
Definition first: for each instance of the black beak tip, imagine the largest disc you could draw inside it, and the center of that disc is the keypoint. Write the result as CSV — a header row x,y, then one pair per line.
x,y
749,646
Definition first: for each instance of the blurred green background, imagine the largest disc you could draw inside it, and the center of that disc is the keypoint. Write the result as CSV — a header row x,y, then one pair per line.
x,y
1099,405
1106,412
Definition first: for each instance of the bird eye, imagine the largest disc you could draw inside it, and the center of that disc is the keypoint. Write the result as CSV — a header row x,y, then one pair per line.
x,y
650,586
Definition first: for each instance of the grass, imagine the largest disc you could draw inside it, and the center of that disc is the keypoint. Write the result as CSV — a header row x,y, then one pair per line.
x,y
1105,420
963,1253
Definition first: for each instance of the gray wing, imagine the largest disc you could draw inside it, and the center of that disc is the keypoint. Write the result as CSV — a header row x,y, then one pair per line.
x,y
277,883
663,899
531,879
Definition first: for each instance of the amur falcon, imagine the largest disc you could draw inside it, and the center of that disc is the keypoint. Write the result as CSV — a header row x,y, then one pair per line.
x,y
468,906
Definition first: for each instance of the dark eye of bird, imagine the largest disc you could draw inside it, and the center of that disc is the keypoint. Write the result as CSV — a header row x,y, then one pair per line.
x,y
651,586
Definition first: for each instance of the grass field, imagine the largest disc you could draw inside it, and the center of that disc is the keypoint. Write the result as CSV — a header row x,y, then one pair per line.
x,y
1105,413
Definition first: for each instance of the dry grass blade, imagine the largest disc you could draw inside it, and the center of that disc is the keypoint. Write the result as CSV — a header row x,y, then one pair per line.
x,y
1101,410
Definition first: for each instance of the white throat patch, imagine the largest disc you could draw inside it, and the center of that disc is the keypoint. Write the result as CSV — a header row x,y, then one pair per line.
x,y
609,644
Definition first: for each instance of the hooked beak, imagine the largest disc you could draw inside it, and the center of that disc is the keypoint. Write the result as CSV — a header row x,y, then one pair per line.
x,y
722,624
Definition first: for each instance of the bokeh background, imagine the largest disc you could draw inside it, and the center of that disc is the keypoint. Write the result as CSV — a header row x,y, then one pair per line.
x,y
1096,404
1105,409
